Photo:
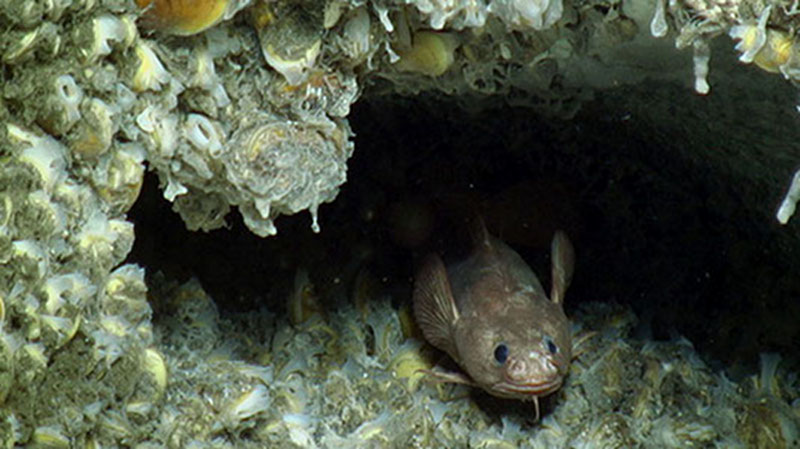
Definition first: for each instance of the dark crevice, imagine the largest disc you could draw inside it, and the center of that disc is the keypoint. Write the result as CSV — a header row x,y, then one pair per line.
x,y
656,225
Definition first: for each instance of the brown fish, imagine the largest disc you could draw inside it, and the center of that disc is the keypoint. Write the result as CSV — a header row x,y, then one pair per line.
x,y
490,313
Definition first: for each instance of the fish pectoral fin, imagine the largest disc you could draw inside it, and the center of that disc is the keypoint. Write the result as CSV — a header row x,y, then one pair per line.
x,y
434,305
447,377
562,256
578,346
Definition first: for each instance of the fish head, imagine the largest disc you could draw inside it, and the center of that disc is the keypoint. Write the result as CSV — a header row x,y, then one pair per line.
x,y
522,353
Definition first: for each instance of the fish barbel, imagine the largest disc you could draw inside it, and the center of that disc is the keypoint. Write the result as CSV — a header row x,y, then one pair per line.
x,y
490,313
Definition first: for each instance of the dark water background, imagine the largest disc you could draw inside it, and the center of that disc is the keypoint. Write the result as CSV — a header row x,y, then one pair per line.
x,y
664,218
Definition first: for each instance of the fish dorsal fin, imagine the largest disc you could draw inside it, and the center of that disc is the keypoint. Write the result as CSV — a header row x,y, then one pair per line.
x,y
563,260
478,234
434,305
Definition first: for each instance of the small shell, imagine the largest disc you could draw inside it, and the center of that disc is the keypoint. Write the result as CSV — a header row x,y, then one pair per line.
x,y
76,198
150,74
72,288
333,12
247,405
205,134
292,66
607,430
26,14
116,425
93,136
126,286
60,111
103,33
118,177
6,212
96,236
32,358
751,36
63,328
539,15
31,259
155,366
430,54
669,432
140,409
70,95
768,48
114,325
45,154
776,51
8,346
206,78
357,40
163,130
292,42
50,437
182,17
25,43
43,214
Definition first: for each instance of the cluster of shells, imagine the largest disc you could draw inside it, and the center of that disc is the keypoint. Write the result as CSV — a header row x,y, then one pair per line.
x,y
351,378
765,31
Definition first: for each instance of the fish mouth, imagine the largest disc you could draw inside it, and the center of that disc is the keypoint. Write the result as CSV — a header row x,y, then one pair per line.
x,y
529,388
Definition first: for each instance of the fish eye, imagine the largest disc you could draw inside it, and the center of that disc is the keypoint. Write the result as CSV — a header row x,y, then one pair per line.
x,y
551,346
501,353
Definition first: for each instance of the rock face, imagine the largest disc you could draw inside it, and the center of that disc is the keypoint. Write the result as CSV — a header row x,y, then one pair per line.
x,y
246,105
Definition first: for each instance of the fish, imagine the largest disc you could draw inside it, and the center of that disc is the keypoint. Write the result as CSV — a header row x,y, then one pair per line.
x,y
490,314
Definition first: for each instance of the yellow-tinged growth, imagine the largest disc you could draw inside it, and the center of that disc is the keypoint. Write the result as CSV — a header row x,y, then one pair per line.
x,y
409,363
750,39
35,354
182,17
768,48
64,328
776,51
150,73
430,54
261,15
249,404
95,134
51,437
155,365
407,323
293,67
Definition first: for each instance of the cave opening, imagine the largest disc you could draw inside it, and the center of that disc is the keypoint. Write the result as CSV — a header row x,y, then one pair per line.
x,y
658,222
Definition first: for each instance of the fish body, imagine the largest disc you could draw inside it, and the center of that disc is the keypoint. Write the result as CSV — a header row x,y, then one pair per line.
x,y
490,313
